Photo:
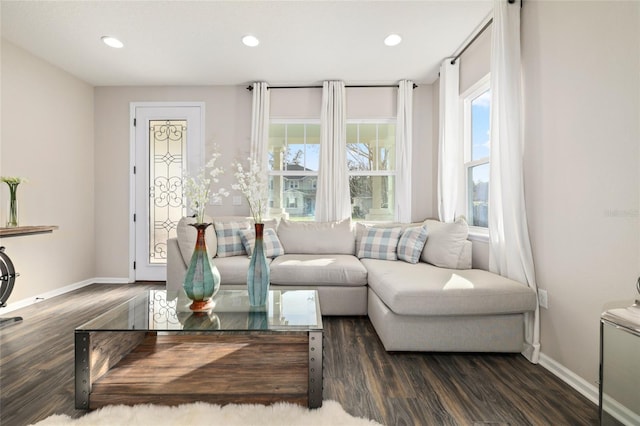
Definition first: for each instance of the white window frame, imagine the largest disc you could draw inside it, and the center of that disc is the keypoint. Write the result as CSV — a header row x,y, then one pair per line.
x,y
466,98
285,173
393,172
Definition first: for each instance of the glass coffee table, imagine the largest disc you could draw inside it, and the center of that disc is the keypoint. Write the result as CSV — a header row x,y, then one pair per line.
x,y
147,350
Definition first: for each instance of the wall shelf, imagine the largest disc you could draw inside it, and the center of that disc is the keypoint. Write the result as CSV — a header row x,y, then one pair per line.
x,y
26,230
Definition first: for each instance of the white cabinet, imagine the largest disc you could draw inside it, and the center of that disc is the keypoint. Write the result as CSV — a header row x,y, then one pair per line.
x,y
620,366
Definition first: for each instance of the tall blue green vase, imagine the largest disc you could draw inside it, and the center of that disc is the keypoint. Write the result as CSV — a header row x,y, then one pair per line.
x,y
258,275
202,281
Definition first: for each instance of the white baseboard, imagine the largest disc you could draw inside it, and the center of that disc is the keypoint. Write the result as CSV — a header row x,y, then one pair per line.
x,y
620,412
59,291
590,391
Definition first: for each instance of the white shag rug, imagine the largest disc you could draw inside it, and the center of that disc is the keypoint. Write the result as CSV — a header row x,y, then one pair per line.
x,y
199,413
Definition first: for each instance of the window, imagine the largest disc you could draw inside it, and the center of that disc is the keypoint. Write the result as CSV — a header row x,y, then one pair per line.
x,y
294,154
477,146
371,159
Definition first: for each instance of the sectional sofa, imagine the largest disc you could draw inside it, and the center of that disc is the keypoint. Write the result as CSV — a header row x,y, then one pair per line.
x,y
414,281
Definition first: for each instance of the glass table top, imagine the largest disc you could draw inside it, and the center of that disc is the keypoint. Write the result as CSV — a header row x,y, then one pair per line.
x,y
286,310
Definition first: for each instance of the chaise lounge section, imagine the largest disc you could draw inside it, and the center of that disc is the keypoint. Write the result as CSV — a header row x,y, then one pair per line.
x,y
430,300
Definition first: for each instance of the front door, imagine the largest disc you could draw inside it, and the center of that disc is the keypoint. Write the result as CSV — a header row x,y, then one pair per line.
x,y
168,142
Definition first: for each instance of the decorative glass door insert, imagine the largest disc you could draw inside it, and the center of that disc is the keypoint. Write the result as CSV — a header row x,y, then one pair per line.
x,y
167,163
168,142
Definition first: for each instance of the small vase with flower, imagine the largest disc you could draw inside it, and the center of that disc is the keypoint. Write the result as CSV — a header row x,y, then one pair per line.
x,y
12,214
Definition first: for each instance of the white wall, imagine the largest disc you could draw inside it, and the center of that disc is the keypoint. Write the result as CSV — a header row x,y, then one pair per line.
x,y
424,155
582,160
475,62
47,137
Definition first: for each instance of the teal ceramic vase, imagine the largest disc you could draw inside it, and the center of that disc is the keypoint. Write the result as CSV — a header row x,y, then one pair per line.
x,y
258,319
202,281
258,276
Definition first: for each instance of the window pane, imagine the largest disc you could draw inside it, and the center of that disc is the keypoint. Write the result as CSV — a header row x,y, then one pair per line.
x,y
293,195
294,147
294,153
359,156
478,191
276,146
312,150
480,107
371,146
372,197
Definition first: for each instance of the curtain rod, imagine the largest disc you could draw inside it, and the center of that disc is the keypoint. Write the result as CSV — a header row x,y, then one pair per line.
x,y
250,88
478,34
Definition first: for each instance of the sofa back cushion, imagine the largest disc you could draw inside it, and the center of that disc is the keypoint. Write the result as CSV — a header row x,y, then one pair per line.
x,y
446,244
316,237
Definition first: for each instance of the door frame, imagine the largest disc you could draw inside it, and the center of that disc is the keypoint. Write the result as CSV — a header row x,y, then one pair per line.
x,y
132,163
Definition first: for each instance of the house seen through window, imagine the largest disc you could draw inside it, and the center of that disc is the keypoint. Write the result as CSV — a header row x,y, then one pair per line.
x,y
294,154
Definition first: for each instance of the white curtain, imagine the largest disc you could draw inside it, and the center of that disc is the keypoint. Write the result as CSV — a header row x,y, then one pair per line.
x,y
449,145
404,129
332,196
509,245
260,124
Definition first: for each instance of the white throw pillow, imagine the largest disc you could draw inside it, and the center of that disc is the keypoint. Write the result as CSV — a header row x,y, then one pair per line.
x,y
316,237
380,243
229,241
445,242
271,243
411,243
187,236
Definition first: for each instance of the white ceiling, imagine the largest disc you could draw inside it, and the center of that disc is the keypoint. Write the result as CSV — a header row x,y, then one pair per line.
x,y
198,42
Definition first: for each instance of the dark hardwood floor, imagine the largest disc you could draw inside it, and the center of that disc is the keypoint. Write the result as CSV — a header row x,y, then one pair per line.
x,y
36,373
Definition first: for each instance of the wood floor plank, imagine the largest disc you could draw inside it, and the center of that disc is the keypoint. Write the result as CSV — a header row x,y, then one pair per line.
x,y
37,373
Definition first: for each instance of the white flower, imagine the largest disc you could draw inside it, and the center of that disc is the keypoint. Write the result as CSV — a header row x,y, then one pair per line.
x,y
13,180
252,184
197,189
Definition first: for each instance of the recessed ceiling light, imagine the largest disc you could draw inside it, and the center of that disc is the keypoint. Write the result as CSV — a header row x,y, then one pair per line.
x,y
112,42
250,41
392,40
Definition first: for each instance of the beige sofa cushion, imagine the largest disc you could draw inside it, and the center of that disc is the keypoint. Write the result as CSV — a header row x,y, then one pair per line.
x,y
318,270
423,289
445,246
233,269
316,237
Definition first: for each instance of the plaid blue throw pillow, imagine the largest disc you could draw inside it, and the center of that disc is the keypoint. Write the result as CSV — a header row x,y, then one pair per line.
x,y
411,244
380,243
272,245
229,242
